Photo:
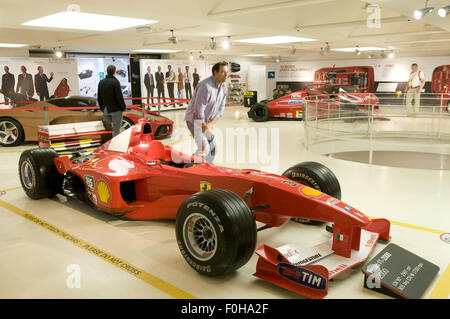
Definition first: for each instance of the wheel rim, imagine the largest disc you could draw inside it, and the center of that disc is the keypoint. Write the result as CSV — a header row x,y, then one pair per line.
x,y
9,132
125,125
200,237
27,174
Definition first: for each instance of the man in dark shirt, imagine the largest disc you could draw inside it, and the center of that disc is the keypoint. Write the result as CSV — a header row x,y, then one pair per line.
x,y
196,78
110,100
40,83
159,77
8,82
25,83
149,83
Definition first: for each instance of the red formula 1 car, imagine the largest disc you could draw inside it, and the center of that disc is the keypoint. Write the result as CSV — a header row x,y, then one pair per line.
x,y
346,97
216,208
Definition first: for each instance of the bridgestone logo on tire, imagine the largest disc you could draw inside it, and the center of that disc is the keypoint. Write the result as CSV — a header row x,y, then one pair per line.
x,y
306,177
190,261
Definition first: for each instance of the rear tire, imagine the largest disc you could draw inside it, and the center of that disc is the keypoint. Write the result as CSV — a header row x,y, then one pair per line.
x,y
126,124
11,132
259,112
317,176
38,174
216,232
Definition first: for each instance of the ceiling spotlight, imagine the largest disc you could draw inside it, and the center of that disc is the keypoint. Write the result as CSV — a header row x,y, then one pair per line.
x,y
173,39
277,60
322,51
201,56
213,44
357,52
226,43
391,55
443,12
420,13
58,53
383,54
191,57
327,47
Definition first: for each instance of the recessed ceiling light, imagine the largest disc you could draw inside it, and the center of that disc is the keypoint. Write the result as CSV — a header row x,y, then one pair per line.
x,y
86,21
255,55
156,51
353,49
275,40
12,45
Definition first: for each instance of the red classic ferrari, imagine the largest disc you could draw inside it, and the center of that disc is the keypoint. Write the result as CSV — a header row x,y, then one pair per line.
x,y
216,208
345,97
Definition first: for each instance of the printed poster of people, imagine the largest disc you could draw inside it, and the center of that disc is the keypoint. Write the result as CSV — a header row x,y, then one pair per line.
x,y
166,84
64,72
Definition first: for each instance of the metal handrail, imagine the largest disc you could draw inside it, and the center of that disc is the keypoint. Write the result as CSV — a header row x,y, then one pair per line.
x,y
327,120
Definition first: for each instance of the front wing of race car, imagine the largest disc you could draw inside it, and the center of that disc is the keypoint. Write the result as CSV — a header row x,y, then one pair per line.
x,y
307,271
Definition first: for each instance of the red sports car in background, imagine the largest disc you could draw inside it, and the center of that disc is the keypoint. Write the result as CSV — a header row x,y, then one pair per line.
x,y
440,85
348,98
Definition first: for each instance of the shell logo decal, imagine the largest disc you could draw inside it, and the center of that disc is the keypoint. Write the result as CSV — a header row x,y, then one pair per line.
x,y
103,192
308,191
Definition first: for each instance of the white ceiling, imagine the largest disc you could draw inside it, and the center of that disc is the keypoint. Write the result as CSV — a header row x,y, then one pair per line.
x,y
342,23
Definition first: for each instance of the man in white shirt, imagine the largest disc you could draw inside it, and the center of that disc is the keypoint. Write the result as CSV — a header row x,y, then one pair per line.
x,y
414,87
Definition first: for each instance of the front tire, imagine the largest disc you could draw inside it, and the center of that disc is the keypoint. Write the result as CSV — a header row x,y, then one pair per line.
x,y
317,176
259,112
11,132
38,174
216,232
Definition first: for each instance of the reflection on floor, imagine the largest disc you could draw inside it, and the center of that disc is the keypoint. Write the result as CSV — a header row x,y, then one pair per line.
x,y
403,159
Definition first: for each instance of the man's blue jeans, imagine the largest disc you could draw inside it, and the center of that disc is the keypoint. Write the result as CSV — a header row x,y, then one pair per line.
x,y
205,144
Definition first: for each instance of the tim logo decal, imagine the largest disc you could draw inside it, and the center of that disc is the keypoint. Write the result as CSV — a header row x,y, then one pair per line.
x,y
302,276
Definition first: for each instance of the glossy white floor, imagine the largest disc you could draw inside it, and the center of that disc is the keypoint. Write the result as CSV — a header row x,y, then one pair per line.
x,y
34,260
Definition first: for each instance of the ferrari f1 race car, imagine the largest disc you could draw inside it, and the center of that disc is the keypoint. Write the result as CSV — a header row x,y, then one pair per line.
x,y
216,208
345,97
20,123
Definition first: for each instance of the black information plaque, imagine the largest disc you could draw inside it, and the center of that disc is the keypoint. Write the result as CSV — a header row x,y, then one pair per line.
x,y
399,273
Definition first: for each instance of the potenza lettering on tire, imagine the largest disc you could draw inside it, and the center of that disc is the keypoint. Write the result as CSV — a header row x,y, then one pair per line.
x,y
209,211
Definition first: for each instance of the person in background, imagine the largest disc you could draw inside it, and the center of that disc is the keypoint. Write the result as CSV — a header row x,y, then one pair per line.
x,y
205,109
8,82
40,83
180,85
25,83
62,90
149,84
110,100
196,78
414,87
171,79
159,77
187,82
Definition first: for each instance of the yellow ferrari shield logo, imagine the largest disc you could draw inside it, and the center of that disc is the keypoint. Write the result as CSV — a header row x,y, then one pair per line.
x,y
204,186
